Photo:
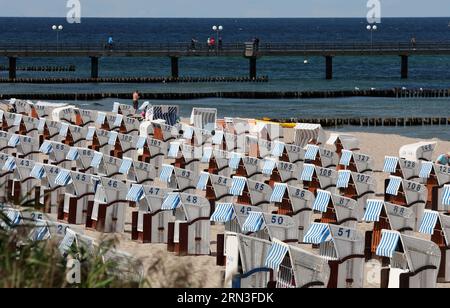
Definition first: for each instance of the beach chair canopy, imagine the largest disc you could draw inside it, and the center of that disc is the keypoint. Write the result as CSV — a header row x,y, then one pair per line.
x,y
309,133
252,253
408,252
204,118
418,151
337,242
348,142
309,269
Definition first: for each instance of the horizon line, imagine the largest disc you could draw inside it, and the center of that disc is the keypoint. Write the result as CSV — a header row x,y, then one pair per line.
x,y
193,17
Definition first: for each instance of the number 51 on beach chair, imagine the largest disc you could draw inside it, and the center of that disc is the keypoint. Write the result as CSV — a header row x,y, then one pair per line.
x,y
344,249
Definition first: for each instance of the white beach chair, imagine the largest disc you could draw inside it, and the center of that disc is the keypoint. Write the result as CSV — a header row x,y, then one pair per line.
x,y
191,229
309,134
150,222
437,225
414,262
295,267
344,248
407,193
109,210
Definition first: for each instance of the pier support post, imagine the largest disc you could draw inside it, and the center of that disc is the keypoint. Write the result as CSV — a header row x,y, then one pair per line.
x,y
328,67
252,73
174,62
94,67
404,68
12,67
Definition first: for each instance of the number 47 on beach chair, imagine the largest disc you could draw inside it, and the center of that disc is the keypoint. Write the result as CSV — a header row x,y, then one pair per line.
x,y
150,222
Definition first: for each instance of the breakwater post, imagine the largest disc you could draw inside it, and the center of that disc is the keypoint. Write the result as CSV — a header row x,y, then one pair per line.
x,y
174,62
94,67
328,67
12,68
404,66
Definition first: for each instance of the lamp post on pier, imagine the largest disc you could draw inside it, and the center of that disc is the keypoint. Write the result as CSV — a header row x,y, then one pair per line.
x,y
57,29
372,29
217,29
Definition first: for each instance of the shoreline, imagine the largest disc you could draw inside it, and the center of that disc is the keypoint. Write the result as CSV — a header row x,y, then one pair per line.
x,y
258,95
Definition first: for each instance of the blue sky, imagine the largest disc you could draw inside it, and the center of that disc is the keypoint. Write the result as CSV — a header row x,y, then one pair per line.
x,y
224,8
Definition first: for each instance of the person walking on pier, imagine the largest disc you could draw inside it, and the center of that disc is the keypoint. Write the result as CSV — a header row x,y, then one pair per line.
x,y
110,43
413,42
136,97
256,44
193,44
220,43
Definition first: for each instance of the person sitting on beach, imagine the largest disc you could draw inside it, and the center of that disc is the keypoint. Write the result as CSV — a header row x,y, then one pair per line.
x,y
443,159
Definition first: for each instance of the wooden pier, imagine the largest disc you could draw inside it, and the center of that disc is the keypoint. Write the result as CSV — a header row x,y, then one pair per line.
x,y
249,51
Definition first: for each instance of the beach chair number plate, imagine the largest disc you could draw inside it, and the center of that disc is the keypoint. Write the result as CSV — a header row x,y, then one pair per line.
x,y
192,199
414,187
300,194
285,166
259,186
113,184
81,177
246,210
142,166
153,191
409,164
250,161
186,174
222,181
325,172
344,202
361,178
444,170
327,153
427,148
361,158
344,232
277,220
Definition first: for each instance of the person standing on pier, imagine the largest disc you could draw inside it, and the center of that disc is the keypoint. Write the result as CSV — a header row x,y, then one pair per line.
x,y
193,44
136,97
220,43
110,43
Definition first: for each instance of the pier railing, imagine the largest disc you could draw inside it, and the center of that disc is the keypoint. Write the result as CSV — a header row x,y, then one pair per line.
x,y
263,48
